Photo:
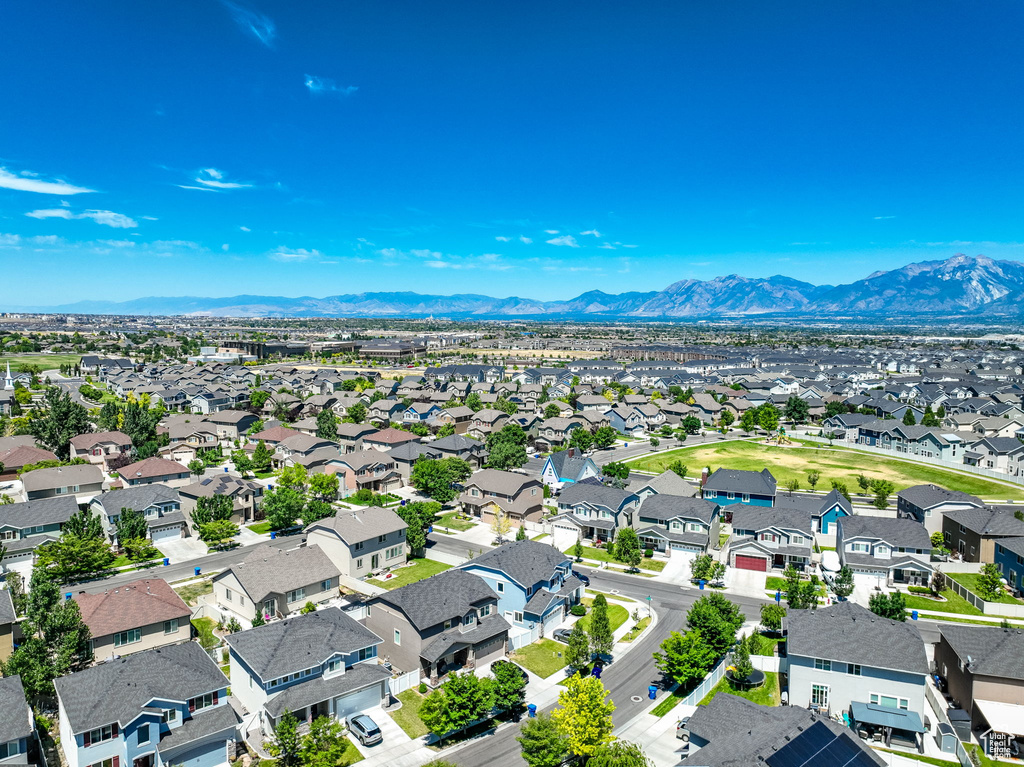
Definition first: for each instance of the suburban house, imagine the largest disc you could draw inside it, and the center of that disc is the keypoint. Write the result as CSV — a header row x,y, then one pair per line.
x,y
159,504
666,483
973,532
366,469
444,623
151,470
594,511
472,451
672,523
362,541
929,503
898,550
8,619
246,496
323,663
17,456
533,581
276,582
231,424
159,707
520,497
460,417
388,438
101,446
1005,454
136,616
80,481
350,436
567,467
844,658
731,731
824,512
737,486
765,538
628,421
24,526
555,431
984,672
1009,557
17,724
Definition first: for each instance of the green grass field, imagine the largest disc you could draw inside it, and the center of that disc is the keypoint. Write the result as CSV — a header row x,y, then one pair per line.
x,y
44,361
542,658
408,716
602,555
617,615
417,571
450,521
954,603
787,463
765,695
637,630
970,582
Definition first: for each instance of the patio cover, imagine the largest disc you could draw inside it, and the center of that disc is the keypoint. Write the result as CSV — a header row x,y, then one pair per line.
x,y
1002,717
897,719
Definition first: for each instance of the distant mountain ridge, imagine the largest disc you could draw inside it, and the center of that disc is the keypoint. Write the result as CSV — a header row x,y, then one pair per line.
x,y
957,285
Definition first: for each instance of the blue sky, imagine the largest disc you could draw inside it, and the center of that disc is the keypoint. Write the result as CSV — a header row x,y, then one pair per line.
x,y
532,148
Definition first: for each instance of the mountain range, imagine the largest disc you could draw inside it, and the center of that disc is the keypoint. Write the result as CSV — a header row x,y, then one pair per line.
x,y
960,285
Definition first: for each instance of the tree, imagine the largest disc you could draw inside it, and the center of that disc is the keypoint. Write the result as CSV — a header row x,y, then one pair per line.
x,y
678,467
691,424
242,462
584,716
605,437
706,568
83,524
989,582
941,412
197,467
261,457
892,606
726,418
506,449
214,508
500,523
577,550
627,547
717,619
938,540
842,584
812,478
863,483
283,506
437,478
219,533
800,594
797,410
882,489
771,617
509,687
460,701
581,439
835,408
356,413
325,745
601,639
577,652
768,417
552,410
792,485
131,524
908,418
71,558
542,742
684,658
742,667
324,486
619,753
521,533
748,421
616,470
59,419
327,425
295,477
286,745
929,418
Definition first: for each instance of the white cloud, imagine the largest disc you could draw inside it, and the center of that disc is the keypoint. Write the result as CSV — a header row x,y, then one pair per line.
x,y
525,240
197,188
883,218
212,178
225,247
258,25
550,231
324,86
289,255
592,232
499,238
566,240
104,217
213,173
9,240
606,246
245,229
30,182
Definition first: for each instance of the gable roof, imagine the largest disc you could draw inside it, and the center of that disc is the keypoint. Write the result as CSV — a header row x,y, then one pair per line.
x,y
62,476
220,484
666,483
15,715
269,571
992,651
135,604
504,482
152,467
665,507
446,595
302,642
740,481
360,524
43,511
755,518
138,498
990,520
117,691
594,492
526,562
908,533
569,464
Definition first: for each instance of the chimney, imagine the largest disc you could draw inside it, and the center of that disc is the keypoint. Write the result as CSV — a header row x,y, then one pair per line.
x,y
704,473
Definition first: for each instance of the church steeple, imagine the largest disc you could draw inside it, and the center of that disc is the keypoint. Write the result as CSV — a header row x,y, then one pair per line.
x,y
8,381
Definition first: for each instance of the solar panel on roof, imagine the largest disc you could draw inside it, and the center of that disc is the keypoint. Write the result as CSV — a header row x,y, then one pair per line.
x,y
818,746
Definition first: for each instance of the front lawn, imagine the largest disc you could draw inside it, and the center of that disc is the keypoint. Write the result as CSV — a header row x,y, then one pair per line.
x,y
954,603
417,570
637,630
970,582
765,695
408,716
542,658
602,555
351,754
193,591
450,521
617,615
260,528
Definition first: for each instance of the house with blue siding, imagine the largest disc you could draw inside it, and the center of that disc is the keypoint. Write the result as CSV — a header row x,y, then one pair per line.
x,y
727,486
533,581
421,412
17,727
322,663
566,467
824,511
25,526
1009,558
160,707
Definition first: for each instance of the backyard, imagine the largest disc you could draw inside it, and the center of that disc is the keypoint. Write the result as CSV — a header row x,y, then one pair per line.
x,y
417,570
765,695
843,465
542,658
954,603
193,591
970,582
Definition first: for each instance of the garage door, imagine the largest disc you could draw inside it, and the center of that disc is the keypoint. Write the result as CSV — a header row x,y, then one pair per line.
x,y
744,562
358,701
167,533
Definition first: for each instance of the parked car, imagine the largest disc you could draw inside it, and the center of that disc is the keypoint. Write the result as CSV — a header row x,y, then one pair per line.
x,y
584,579
681,732
522,673
561,635
364,729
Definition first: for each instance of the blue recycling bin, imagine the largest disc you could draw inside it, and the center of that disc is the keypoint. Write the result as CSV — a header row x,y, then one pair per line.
x,y
778,597
702,584
273,535
198,570
403,502
625,444
167,561
531,710
596,671
913,615
430,529
652,691
67,596
270,486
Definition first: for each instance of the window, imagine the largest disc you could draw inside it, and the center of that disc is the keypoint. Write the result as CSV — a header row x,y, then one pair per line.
x,y
398,637
39,528
228,597
889,701
359,563
333,665
171,626
381,538
796,540
485,611
358,546
822,665
325,585
100,735
746,497
202,701
296,595
112,762
447,625
819,695
367,652
962,530
394,551
730,495
517,617
853,669
143,732
169,715
501,587
127,637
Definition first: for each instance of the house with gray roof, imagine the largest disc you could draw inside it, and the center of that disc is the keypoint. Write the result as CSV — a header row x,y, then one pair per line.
x,y
472,451
448,622
275,582
8,618
25,526
824,511
159,504
666,483
928,504
594,511
81,481
17,725
246,496
672,523
520,497
322,663
726,486
361,542
898,550
974,532
765,538
159,707
844,658
567,467
533,581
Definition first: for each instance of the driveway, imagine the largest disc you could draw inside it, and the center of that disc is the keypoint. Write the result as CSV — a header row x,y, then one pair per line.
x,y
864,587
183,549
397,748
677,568
750,583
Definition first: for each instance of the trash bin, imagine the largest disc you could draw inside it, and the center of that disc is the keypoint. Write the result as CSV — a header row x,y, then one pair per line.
x,y
273,535
778,597
652,691
532,710
702,584
198,570
596,671
167,561
913,615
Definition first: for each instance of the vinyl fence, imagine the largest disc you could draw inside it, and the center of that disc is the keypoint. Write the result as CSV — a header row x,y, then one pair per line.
x,y
708,684
526,637
938,706
989,608
404,682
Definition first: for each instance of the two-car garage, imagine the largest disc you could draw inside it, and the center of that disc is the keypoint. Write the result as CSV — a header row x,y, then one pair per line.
x,y
750,562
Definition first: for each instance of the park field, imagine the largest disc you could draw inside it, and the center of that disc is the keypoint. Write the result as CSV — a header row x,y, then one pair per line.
x,y
832,463
44,361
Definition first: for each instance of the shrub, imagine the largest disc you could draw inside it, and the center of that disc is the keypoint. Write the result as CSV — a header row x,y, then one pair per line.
x,y
919,590
649,553
423,688
578,610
